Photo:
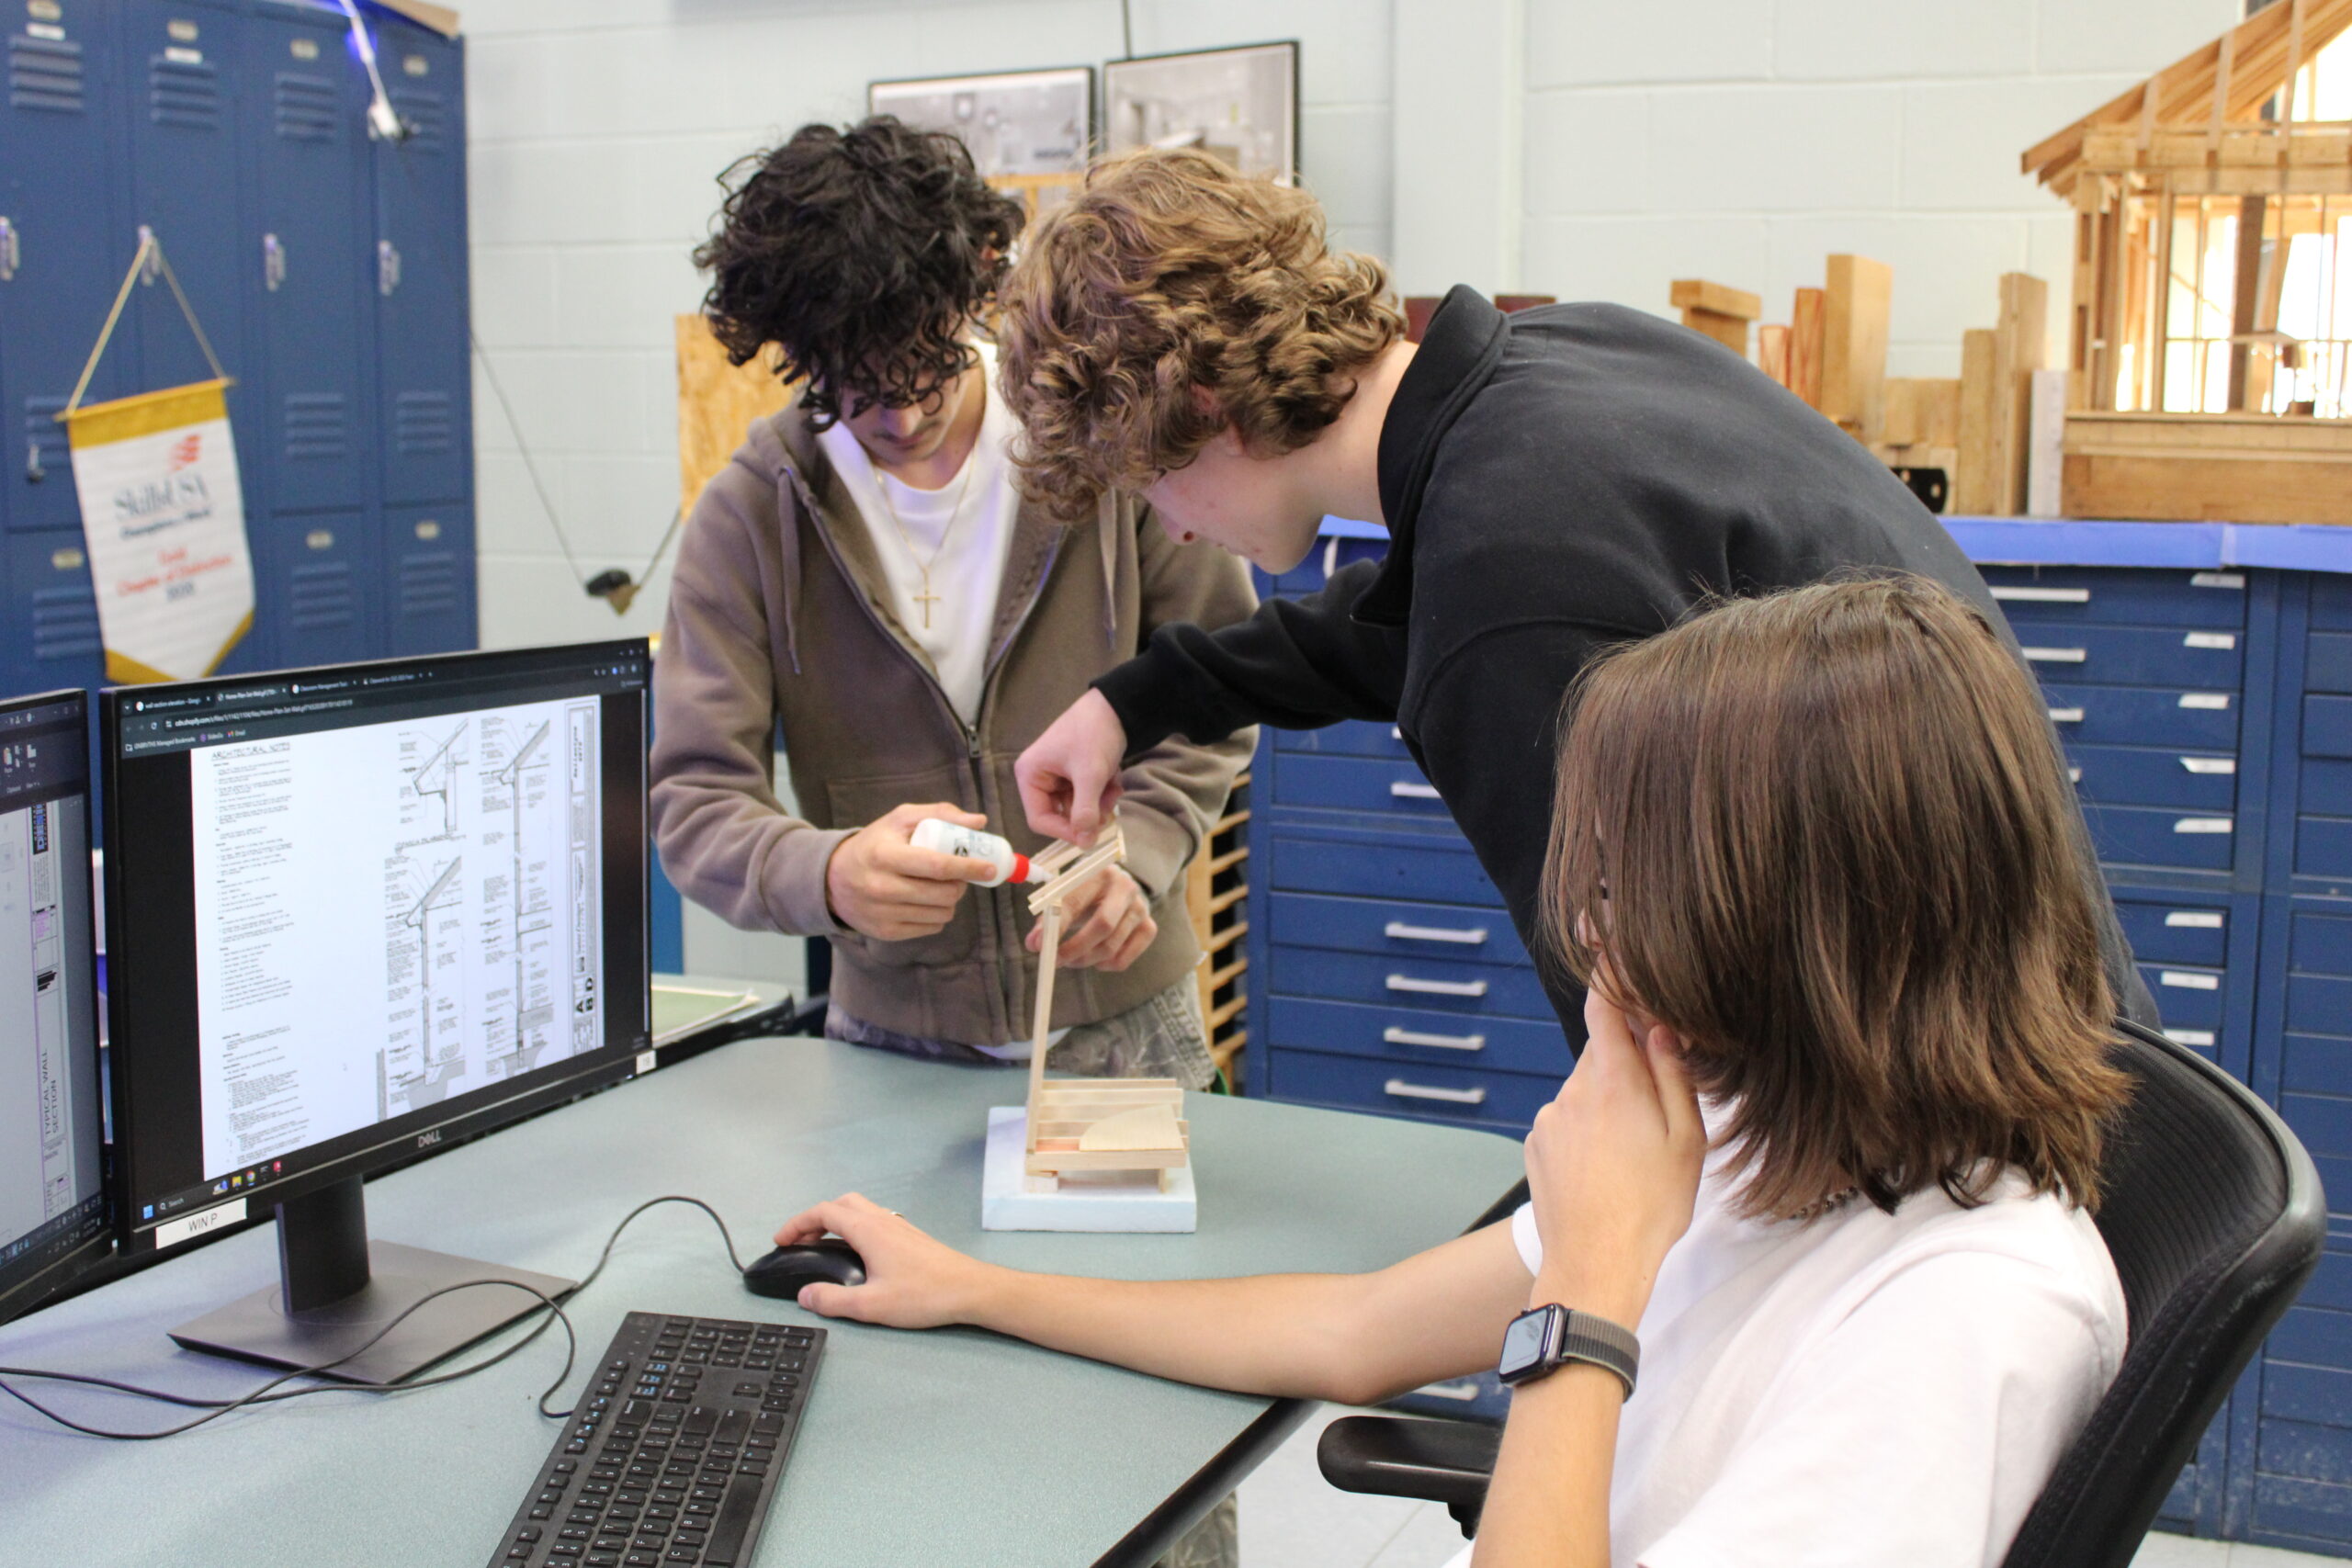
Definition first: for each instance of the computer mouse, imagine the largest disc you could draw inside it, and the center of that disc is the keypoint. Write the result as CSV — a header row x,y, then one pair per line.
x,y
781,1272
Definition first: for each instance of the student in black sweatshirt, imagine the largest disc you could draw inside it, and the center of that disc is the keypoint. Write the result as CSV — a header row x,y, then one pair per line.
x,y
1553,482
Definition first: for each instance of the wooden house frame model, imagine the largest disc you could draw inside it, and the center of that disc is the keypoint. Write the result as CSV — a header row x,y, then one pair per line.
x,y
2209,336
1091,1125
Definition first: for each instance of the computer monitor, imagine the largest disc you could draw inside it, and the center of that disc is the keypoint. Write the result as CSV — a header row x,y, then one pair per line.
x,y
53,1198
354,915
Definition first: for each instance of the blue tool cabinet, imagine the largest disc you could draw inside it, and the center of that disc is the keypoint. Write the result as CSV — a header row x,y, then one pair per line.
x,y
2199,676
328,268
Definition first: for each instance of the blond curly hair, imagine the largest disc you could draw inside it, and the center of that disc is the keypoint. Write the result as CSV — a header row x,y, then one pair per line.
x,y
1171,298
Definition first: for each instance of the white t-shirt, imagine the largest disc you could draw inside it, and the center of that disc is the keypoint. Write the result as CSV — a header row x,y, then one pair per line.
x,y
1866,1390
963,529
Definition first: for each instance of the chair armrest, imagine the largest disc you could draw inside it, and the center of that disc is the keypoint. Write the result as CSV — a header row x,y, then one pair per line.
x,y
1442,1461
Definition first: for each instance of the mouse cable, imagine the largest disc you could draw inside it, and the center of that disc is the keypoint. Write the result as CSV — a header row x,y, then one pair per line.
x,y
550,1310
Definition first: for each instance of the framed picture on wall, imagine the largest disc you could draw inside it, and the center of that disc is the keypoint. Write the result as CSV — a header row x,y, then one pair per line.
x,y
1020,125
1241,104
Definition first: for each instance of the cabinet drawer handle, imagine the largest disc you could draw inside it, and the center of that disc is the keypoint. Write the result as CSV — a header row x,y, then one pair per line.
x,y
1396,1036
2044,595
2218,766
2057,655
2218,580
2202,825
1437,987
1330,558
1397,930
2189,980
1396,732
1464,1392
1404,1090
2212,702
2194,919
2073,776
2190,1037
2065,716
1405,789
2221,640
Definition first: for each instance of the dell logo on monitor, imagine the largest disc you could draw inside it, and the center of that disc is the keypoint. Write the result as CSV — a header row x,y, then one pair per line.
x,y
427,1140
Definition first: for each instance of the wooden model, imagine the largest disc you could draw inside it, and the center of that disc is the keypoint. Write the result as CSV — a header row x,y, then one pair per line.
x,y
1092,1125
2208,341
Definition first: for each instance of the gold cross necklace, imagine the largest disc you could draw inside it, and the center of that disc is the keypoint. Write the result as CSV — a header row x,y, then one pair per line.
x,y
971,460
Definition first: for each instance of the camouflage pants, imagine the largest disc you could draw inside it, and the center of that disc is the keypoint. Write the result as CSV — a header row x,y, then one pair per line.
x,y
1162,1037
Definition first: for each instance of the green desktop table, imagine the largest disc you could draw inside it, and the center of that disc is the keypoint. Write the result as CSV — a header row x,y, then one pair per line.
x,y
948,1447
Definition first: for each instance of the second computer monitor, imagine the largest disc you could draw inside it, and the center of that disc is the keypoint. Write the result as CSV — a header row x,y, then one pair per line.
x,y
357,912
52,1218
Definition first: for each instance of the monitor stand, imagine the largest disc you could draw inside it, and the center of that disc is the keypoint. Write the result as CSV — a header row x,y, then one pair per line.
x,y
338,1289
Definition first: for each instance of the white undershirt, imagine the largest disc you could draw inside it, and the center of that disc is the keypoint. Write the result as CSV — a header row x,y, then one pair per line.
x,y
1866,1390
964,530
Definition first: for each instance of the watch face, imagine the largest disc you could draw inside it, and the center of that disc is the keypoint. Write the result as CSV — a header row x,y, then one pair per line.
x,y
1523,1342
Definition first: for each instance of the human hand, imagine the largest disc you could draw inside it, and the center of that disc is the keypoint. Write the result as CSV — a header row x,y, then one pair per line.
x,y
1070,775
1108,925
878,883
912,1282
1613,1166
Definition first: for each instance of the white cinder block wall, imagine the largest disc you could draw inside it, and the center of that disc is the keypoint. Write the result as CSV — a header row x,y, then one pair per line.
x,y
1743,141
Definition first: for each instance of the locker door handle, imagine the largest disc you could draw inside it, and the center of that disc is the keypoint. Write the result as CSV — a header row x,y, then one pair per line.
x,y
2224,641
2190,1037
1330,558
1404,789
1394,1037
1471,936
1437,987
387,267
10,258
2194,919
2057,655
1404,1090
2223,766
2201,824
273,262
2044,595
2065,716
2189,980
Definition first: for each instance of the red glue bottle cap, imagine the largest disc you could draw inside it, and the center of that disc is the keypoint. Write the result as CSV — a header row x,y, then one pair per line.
x,y
1019,867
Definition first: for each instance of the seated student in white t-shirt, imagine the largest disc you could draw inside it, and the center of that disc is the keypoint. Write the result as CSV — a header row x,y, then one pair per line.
x,y
1828,1153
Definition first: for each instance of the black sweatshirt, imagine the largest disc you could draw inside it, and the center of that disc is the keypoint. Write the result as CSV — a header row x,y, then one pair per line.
x,y
1556,482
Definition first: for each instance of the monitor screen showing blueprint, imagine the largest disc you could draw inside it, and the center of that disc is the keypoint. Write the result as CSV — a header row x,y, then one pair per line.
x,y
396,892
51,1199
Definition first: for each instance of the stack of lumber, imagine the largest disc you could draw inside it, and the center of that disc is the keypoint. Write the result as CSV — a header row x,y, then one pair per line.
x,y
1972,431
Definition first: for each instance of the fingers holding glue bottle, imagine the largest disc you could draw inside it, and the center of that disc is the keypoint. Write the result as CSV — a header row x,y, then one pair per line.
x,y
882,883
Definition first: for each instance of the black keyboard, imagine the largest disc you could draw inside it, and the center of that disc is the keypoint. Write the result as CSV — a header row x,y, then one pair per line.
x,y
674,1452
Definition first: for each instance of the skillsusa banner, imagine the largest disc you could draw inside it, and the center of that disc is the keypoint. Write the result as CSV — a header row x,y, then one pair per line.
x,y
165,521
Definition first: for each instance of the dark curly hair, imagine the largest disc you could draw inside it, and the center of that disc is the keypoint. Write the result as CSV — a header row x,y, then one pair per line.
x,y
861,253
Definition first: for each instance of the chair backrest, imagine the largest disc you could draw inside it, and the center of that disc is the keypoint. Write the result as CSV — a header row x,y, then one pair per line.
x,y
2214,1215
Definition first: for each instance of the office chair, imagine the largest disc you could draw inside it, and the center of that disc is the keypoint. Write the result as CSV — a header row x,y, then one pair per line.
x,y
2214,1217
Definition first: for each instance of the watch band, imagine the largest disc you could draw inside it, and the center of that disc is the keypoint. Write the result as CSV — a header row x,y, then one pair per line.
x,y
1567,1335
1612,1346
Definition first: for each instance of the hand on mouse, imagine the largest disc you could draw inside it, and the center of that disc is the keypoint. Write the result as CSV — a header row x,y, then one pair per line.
x,y
912,1282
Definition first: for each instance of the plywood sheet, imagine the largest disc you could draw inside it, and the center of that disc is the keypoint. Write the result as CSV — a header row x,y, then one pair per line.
x,y
717,403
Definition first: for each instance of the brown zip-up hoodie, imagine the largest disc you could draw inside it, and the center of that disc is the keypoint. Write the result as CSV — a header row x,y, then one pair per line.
x,y
779,618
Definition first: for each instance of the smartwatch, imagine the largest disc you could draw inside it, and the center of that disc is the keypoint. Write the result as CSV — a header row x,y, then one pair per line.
x,y
1547,1338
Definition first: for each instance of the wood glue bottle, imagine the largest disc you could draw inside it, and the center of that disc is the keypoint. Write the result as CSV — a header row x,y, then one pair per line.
x,y
942,837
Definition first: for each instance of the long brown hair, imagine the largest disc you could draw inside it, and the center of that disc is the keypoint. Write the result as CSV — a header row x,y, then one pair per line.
x,y
1822,836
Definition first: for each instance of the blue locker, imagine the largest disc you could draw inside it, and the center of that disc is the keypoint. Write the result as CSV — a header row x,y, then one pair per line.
x,y
425,415
319,577
429,562
69,240
305,259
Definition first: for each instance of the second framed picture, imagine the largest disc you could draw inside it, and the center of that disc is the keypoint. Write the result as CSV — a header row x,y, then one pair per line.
x,y
1030,132
1241,104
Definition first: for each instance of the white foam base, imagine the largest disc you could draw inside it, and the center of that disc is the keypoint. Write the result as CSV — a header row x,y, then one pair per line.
x,y
1011,1199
